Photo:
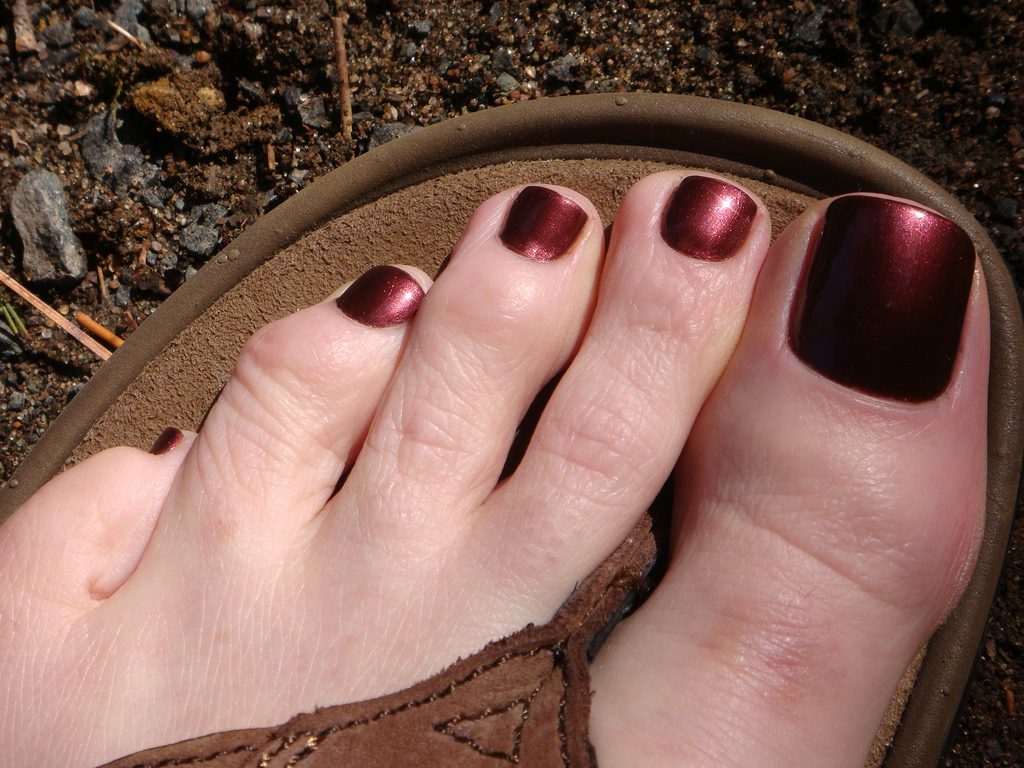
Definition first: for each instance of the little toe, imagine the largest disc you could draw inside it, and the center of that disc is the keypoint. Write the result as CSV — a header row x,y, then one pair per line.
x,y
684,255
502,319
295,411
829,503
82,534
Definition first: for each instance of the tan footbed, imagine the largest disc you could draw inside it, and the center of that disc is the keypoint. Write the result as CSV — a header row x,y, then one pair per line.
x,y
408,201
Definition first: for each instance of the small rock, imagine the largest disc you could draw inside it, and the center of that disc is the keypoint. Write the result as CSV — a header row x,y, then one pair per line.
x,y
564,70
409,51
253,31
52,252
199,240
502,60
507,83
84,18
123,296
17,401
312,113
420,29
901,19
197,9
251,93
1006,209
382,134
127,16
59,35
190,272
207,215
810,29
74,390
121,166
203,57
9,348
151,259
168,262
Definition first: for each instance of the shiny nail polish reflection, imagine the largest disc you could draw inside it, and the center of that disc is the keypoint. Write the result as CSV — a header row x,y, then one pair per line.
x,y
708,218
382,296
882,301
542,224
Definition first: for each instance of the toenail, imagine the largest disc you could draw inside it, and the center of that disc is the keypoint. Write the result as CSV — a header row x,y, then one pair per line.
x,y
708,218
542,224
169,439
381,297
883,298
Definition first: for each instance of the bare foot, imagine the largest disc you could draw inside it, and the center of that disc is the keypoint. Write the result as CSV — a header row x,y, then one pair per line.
x,y
829,496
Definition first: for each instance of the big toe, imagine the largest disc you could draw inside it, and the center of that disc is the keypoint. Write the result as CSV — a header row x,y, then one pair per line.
x,y
828,503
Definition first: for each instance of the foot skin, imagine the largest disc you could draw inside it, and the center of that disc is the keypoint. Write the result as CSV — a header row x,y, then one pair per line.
x,y
831,427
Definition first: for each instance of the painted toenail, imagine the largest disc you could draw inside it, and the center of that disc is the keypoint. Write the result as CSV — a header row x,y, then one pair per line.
x,y
381,297
542,224
169,439
708,218
883,298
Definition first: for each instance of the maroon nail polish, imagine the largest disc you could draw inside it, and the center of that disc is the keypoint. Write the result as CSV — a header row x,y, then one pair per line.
x,y
169,439
381,297
542,224
708,218
882,301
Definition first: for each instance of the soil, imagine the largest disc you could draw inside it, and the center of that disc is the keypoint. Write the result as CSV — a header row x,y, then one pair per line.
x,y
168,148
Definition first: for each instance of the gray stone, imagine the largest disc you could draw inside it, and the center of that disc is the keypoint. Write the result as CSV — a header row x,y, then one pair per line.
x,y
382,134
168,262
409,51
564,70
197,9
312,113
17,401
810,29
199,240
9,348
207,215
59,35
507,83
52,252
123,296
420,29
901,19
251,93
85,18
120,166
503,60
127,16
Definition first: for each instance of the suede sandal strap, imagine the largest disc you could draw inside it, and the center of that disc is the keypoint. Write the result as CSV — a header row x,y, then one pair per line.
x,y
521,700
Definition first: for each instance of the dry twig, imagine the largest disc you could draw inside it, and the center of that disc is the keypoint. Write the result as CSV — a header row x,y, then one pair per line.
x,y
341,59
62,322
99,331
24,36
122,31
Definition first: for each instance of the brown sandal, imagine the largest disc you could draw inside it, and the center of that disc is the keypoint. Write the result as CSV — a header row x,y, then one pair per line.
x,y
524,698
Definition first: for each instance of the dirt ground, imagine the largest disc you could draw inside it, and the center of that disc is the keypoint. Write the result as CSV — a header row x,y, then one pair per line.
x,y
167,147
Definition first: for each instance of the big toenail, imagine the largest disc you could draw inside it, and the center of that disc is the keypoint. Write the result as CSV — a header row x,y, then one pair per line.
x,y
882,300
708,218
381,297
169,439
542,224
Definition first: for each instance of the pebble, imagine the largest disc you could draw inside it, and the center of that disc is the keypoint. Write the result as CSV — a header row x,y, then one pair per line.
x,y
251,93
59,35
123,296
17,401
420,29
199,240
1006,209
507,83
52,252
502,60
120,165
382,134
312,113
9,348
207,214
72,391
810,29
901,19
564,69
84,18
127,16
